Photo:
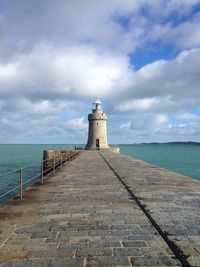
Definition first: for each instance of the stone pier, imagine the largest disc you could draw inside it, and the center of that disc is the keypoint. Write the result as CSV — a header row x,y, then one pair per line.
x,y
104,209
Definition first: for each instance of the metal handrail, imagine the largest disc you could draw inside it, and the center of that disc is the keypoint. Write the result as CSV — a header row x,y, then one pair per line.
x,y
6,193
41,174
28,166
31,179
4,174
36,163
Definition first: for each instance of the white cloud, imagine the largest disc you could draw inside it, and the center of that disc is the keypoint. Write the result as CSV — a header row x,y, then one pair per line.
x,y
188,117
137,105
77,124
47,88
181,7
172,78
55,57
75,71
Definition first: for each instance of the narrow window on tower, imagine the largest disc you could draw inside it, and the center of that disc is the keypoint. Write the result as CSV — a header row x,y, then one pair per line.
x,y
97,123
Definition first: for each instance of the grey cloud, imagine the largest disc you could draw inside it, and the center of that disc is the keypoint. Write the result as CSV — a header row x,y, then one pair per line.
x,y
153,127
26,23
23,24
56,56
74,72
179,77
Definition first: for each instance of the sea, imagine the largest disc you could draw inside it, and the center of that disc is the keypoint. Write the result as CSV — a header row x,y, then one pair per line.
x,y
183,159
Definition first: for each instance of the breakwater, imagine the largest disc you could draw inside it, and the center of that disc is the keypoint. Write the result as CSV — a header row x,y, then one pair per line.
x,y
104,209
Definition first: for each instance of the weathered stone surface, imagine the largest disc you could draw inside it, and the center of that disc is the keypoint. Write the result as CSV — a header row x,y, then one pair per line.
x,y
83,216
93,252
134,244
154,261
172,200
194,261
75,262
6,255
25,263
107,261
127,252
51,253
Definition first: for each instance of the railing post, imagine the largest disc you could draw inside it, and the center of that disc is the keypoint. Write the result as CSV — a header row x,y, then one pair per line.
x,y
42,171
21,183
54,165
61,160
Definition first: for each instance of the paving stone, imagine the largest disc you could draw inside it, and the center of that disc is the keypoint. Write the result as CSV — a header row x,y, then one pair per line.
x,y
107,261
57,239
66,262
26,263
44,235
93,252
41,246
125,227
72,233
49,254
84,238
194,261
6,255
74,245
134,244
155,261
127,252
102,244
140,237
99,232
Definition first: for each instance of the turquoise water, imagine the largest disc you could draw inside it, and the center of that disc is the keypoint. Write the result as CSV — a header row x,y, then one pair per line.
x,y
13,157
184,159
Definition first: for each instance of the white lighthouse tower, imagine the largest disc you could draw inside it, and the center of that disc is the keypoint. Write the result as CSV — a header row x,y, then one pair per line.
x,y
97,134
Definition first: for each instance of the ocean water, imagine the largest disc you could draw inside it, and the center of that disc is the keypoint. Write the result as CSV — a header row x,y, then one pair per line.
x,y
13,157
184,159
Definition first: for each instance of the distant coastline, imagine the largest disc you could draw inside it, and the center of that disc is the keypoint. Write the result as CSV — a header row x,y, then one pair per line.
x,y
174,143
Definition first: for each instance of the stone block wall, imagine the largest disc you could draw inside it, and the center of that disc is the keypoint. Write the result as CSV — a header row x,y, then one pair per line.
x,y
51,154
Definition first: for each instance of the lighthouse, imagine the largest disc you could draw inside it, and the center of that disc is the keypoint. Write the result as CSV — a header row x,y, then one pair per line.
x,y
97,134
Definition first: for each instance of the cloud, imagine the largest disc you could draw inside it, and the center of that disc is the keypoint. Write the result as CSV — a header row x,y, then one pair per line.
x,y
175,76
73,72
158,87
137,105
153,127
55,58
164,85
77,124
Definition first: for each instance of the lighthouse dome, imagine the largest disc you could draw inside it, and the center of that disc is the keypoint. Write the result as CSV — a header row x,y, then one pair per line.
x,y
97,101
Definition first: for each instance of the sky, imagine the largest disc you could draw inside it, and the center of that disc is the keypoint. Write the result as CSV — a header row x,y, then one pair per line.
x,y
141,58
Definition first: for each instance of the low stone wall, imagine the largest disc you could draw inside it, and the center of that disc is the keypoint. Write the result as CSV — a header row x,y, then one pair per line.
x,y
111,149
51,155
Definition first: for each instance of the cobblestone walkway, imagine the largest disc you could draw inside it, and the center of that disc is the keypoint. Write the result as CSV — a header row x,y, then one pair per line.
x,y
84,216
172,200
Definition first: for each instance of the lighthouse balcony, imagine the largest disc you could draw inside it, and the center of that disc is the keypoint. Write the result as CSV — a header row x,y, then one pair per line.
x,y
97,117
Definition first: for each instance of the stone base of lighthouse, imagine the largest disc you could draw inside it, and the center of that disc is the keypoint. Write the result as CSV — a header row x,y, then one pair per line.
x,y
94,147
111,149
97,137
